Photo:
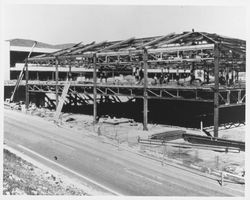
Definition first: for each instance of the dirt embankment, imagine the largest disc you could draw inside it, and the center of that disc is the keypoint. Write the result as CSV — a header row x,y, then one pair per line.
x,y
22,178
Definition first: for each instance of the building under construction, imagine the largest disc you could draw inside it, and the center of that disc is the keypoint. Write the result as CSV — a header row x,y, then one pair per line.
x,y
188,67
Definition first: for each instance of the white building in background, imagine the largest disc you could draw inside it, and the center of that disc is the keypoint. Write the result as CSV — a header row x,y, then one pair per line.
x,y
16,50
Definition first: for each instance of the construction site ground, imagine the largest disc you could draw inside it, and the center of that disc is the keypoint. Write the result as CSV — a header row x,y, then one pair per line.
x,y
125,136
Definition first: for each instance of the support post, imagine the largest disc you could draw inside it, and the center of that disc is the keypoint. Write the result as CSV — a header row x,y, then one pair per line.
x,y
207,74
216,89
227,75
57,87
75,100
70,74
239,97
145,94
26,85
94,92
228,97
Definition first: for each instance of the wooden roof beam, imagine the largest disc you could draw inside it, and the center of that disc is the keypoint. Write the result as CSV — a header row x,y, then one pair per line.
x,y
233,49
138,51
117,44
42,58
210,39
62,51
155,41
175,39
89,47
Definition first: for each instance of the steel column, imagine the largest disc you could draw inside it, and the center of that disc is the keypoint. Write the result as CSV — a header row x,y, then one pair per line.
x,y
57,87
94,91
26,85
216,89
145,94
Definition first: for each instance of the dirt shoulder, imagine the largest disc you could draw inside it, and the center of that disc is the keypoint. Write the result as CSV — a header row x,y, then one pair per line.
x,y
23,178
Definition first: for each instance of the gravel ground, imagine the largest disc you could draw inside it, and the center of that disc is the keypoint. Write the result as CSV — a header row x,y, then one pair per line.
x,y
22,178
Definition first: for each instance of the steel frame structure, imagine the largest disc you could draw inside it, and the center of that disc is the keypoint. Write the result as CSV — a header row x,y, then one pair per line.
x,y
188,50
227,97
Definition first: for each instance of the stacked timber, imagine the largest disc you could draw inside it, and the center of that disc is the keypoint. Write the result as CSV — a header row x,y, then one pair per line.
x,y
168,135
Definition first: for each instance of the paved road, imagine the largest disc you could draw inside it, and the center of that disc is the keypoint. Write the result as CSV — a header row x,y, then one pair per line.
x,y
115,171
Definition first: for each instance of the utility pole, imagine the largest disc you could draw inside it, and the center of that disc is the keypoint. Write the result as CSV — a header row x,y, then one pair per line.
x,y
26,85
57,86
145,94
216,88
94,90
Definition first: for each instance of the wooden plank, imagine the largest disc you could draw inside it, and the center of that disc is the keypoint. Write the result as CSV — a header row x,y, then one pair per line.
x,y
168,135
18,82
117,121
62,100
193,138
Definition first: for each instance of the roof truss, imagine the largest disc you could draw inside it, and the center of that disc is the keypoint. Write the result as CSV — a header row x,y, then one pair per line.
x,y
184,47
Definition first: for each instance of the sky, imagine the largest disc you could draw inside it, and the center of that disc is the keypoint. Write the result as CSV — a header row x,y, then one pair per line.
x,y
57,24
